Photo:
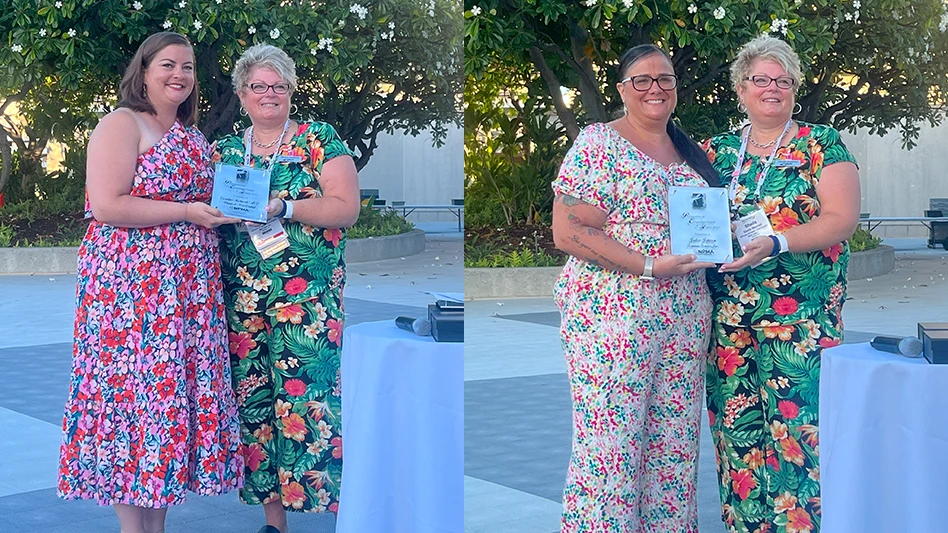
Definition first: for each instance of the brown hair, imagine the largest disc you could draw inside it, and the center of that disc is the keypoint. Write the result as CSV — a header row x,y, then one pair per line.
x,y
131,94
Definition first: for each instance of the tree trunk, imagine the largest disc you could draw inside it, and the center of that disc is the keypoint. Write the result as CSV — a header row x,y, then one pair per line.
x,y
6,160
565,114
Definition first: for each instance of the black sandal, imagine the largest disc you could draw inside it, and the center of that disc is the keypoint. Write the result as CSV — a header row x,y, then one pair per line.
x,y
268,529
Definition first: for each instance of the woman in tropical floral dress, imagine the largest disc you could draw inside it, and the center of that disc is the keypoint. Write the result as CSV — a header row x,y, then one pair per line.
x,y
151,414
780,304
285,312
635,319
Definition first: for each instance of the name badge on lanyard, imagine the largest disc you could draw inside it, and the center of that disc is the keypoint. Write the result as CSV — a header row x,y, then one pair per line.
x,y
268,238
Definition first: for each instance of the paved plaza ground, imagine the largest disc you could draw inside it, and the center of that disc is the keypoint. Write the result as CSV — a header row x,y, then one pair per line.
x,y
517,405
36,315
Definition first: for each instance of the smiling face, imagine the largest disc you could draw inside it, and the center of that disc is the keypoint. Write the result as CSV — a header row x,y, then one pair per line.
x,y
268,108
771,103
169,78
655,104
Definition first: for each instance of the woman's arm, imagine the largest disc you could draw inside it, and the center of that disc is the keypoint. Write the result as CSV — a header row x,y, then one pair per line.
x,y
577,230
110,171
839,197
339,205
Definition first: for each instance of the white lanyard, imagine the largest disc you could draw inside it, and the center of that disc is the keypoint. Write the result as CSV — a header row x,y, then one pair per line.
x,y
735,174
276,152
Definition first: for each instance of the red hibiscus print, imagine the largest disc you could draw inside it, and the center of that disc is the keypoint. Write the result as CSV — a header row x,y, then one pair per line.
x,y
336,444
241,343
798,521
743,482
788,409
784,220
333,235
729,359
827,342
335,331
710,417
295,286
294,387
253,456
771,460
785,306
833,252
803,132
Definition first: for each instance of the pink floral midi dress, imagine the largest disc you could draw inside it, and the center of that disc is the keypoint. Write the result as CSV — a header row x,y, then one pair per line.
x,y
151,414
635,352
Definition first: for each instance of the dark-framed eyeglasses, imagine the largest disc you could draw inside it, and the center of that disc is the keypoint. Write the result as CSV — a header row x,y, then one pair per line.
x,y
262,88
643,82
762,81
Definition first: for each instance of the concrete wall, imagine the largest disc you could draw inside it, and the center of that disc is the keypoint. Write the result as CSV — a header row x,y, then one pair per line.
x,y
412,170
899,182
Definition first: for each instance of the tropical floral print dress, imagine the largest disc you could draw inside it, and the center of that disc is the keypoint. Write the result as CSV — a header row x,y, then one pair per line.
x,y
285,316
151,414
771,324
635,352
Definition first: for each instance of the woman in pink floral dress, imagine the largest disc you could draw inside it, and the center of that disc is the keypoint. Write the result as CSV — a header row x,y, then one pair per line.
x,y
151,414
635,319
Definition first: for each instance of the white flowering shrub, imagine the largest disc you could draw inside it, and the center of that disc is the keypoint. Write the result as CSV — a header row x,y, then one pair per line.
x,y
364,66
870,63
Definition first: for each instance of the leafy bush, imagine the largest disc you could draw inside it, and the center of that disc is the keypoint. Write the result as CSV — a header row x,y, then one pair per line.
x,y
524,257
378,223
862,240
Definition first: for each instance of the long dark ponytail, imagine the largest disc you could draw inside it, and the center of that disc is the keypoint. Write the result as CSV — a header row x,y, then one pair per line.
x,y
696,158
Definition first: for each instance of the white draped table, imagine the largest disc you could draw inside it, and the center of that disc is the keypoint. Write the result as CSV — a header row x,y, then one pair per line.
x,y
402,432
883,442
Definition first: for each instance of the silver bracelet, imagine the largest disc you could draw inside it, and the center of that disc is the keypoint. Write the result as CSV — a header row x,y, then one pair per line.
x,y
647,271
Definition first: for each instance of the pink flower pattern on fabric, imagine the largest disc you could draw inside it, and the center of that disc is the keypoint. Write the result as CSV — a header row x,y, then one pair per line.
x,y
151,414
635,351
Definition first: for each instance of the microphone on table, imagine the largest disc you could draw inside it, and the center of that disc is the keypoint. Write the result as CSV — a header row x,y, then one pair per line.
x,y
907,346
418,326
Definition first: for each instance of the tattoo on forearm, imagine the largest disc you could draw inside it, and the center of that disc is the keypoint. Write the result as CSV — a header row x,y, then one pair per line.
x,y
594,257
570,201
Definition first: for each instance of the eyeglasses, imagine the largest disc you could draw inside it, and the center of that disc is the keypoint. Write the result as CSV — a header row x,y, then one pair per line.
x,y
643,82
764,81
262,88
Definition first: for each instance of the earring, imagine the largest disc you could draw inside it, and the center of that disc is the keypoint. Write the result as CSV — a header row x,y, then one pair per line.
x,y
294,109
797,108
243,112
144,91
741,107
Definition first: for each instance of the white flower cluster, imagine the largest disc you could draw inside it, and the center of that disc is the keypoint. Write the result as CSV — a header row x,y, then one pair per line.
x,y
59,5
779,26
325,43
137,5
943,25
628,3
166,25
182,4
16,48
719,13
359,11
692,9
252,30
476,10
71,32
590,3
42,32
431,8
275,33
854,16
198,25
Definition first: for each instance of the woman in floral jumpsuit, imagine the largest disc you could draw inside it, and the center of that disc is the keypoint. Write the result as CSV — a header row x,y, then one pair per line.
x,y
634,347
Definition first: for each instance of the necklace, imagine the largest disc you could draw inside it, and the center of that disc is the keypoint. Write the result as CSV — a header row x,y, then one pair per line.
x,y
259,144
766,145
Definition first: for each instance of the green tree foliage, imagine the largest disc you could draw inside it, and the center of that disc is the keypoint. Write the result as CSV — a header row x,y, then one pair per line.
x,y
878,64
364,66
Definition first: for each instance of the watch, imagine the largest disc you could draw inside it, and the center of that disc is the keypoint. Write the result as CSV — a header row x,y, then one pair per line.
x,y
287,209
647,271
